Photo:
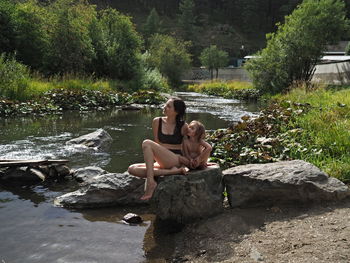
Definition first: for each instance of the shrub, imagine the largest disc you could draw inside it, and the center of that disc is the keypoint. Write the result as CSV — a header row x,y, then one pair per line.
x,y
14,78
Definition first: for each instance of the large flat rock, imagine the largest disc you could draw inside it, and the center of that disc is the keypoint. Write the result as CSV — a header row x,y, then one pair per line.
x,y
281,182
111,189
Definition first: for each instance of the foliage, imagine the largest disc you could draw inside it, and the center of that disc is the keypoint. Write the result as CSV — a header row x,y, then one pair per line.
x,y
7,26
311,126
58,99
186,19
231,89
71,48
152,25
14,78
147,97
213,58
32,37
325,129
293,51
169,56
117,46
255,140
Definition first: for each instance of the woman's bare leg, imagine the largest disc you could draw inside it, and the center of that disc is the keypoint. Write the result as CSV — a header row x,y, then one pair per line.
x,y
153,151
139,170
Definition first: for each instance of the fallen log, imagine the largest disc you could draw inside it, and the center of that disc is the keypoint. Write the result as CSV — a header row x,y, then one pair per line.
x,y
22,163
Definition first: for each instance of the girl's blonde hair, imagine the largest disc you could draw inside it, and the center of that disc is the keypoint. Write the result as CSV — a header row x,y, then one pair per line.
x,y
200,130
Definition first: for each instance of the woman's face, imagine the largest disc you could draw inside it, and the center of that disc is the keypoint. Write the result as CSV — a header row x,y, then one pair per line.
x,y
168,108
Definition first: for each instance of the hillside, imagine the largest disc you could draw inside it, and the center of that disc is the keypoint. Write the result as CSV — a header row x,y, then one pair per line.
x,y
227,24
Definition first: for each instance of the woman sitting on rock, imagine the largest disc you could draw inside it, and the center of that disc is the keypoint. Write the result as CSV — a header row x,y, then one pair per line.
x,y
168,134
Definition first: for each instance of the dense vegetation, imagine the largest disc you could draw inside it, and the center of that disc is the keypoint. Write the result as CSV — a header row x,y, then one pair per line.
x,y
295,126
227,24
294,50
41,41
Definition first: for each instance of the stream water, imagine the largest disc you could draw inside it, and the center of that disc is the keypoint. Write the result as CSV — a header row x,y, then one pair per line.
x,y
33,230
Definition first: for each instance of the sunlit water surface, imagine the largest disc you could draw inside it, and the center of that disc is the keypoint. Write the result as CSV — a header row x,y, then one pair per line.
x,y
33,230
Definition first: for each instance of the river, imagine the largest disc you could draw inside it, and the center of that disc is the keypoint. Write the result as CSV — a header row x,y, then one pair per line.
x,y
33,230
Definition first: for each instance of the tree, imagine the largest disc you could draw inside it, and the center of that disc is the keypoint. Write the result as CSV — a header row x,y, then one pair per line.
x,y
170,56
152,25
7,26
117,45
71,48
294,50
213,58
186,19
32,36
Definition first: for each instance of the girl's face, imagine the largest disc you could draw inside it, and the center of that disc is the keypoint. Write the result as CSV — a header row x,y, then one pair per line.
x,y
192,130
168,108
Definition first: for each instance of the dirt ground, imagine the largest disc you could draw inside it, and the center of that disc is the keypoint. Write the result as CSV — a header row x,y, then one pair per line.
x,y
314,233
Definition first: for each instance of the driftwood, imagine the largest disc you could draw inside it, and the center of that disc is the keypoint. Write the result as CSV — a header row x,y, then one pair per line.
x,y
22,163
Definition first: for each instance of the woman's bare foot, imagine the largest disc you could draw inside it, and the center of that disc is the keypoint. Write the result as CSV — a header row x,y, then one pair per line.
x,y
150,187
179,170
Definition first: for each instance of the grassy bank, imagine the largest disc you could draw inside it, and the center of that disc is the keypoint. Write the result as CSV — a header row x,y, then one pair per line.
x,y
44,96
325,128
227,89
310,125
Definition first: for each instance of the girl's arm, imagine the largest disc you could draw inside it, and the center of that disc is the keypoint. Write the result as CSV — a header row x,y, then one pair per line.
x,y
204,155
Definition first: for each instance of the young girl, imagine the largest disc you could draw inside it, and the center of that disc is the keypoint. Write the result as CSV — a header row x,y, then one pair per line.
x,y
195,150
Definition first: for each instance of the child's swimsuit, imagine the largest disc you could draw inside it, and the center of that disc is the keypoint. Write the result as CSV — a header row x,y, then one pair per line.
x,y
175,138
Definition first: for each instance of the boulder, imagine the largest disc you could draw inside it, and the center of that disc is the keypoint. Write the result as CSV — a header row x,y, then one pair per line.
x,y
105,190
97,140
183,198
281,182
21,175
86,174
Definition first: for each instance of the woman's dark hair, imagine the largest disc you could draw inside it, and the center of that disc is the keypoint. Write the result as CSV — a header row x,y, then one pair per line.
x,y
180,108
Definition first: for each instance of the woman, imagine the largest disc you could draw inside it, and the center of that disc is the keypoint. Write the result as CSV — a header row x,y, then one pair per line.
x,y
168,133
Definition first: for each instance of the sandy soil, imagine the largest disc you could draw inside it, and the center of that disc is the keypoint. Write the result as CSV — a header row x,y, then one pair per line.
x,y
317,233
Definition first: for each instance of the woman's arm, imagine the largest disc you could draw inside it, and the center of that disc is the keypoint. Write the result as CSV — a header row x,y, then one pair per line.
x,y
155,126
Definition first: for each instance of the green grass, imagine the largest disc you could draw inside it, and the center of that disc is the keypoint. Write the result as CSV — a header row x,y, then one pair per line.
x,y
227,89
37,86
326,128
220,87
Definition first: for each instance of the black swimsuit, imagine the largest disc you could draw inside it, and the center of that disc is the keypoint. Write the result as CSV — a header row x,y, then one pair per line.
x,y
175,138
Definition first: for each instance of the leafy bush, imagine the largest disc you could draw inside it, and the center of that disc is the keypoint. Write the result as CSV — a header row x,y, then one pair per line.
x,y
14,78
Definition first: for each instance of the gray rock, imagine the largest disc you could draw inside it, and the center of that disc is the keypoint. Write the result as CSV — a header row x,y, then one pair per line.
x,y
105,190
86,174
20,174
62,170
97,140
185,198
131,218
281,182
